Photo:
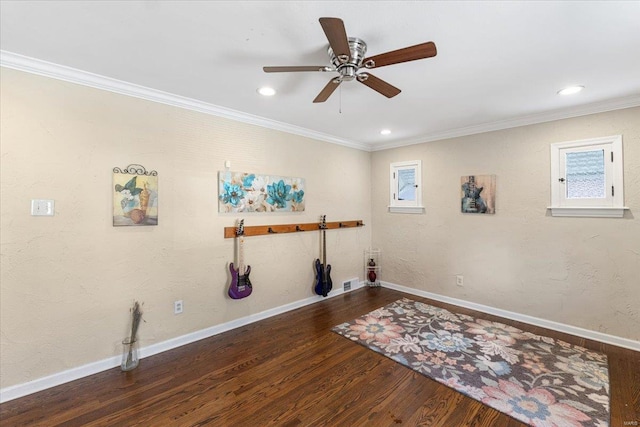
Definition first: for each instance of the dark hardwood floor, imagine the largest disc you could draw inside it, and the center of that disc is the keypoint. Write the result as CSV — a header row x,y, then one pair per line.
x,y
291,370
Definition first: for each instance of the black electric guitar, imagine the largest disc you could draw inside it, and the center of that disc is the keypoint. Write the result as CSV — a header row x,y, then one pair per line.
x,y
323,270
240,286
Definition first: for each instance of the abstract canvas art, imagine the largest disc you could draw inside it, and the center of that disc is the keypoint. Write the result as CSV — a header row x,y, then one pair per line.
x,y
250,192
478,194
135,196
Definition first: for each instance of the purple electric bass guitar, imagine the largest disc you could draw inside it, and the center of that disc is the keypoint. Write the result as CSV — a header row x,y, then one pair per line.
x,y
240,286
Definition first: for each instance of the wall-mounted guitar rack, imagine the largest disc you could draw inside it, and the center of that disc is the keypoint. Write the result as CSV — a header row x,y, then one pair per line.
x,y
259,230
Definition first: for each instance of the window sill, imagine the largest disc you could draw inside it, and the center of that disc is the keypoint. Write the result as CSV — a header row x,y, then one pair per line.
x,y
593,212
406,209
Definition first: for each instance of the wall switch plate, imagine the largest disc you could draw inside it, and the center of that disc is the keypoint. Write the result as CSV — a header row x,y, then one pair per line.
x,y
42,207
459,280
177,307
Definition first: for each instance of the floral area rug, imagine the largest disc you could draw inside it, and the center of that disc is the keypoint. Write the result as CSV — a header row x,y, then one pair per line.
x,y
538,380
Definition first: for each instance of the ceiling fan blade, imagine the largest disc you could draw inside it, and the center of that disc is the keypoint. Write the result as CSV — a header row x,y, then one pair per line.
x,y
326,92
337,36
287,69
378,85
411,53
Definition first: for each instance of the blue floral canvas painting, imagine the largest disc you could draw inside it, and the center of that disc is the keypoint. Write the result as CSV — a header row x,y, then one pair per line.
x,y
250,192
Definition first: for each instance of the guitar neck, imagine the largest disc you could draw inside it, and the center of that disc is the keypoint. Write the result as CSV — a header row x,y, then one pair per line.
x,y
241,254
324,248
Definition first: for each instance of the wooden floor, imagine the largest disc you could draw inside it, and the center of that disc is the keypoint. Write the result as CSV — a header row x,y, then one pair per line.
x,y
291,370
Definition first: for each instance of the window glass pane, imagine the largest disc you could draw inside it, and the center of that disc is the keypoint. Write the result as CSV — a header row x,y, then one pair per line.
x,y
407,184
585,175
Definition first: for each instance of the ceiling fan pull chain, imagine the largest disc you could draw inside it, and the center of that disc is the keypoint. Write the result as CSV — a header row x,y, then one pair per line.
x,y
340,107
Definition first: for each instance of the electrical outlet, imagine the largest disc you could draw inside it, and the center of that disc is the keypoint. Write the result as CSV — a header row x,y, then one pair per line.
x,y
177,307
459,280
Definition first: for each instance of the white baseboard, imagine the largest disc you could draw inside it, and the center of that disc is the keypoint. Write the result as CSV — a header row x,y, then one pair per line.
x,y
20,390
560,327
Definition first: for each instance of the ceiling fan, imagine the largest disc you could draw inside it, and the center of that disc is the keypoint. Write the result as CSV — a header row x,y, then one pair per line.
x,y
346,56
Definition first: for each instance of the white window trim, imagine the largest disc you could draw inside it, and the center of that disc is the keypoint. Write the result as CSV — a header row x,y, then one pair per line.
x,y
396,206
614,208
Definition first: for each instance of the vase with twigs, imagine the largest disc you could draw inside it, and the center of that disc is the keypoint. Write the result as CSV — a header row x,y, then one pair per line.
x,y
130,358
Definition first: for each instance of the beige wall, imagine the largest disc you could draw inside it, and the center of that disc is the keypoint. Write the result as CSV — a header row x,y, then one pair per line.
x,y
583,272
68,281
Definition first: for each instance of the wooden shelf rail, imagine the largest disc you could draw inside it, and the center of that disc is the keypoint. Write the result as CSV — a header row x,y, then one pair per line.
x,y
259,230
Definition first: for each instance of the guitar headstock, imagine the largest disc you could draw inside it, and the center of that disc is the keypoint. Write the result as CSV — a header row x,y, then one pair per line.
x,y
240,228
323,222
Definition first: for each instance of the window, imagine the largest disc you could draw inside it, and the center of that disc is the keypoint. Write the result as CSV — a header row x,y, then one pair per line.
x,y
587,178
405,194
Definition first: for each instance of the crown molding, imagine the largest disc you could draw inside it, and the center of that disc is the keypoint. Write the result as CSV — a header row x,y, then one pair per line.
x,y
532,119
85,78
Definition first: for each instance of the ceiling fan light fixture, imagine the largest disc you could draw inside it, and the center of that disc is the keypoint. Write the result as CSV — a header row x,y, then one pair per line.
x,y
385,132
347,55
570,90
266,91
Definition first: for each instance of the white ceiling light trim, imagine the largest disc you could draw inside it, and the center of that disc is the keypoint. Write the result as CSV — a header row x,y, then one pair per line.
x,y
571,90
266,91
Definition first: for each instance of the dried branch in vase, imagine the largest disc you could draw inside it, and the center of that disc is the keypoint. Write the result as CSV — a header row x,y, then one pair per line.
x,y
136,315
130,355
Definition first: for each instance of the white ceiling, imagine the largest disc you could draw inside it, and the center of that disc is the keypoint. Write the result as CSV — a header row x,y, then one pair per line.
x,y
499,64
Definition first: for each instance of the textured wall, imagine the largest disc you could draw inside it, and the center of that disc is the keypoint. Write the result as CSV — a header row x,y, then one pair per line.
x,y
68,281
578,271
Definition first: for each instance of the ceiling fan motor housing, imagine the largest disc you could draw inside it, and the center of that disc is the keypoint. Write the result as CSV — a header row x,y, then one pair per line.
x,y
348,69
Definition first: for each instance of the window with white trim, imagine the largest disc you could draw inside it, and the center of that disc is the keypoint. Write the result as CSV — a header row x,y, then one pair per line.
x,y
405,195
587,178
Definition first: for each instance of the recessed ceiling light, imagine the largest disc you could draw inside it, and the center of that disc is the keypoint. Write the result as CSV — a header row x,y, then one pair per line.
x,y
570,90
266,91
385,132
